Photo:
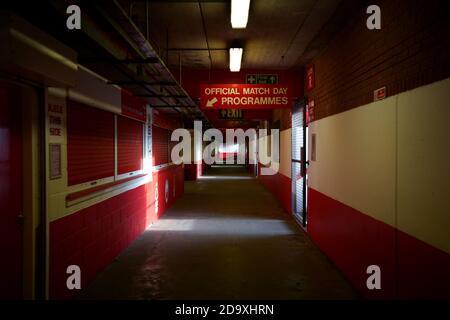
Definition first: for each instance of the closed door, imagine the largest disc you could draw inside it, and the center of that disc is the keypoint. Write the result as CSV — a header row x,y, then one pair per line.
x,y
10,192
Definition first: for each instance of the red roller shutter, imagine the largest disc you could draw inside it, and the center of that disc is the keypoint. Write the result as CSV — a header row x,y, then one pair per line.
x,y
129,145
160,145
90,143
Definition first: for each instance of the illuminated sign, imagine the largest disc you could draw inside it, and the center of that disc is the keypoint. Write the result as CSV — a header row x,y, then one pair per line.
x,y
245,96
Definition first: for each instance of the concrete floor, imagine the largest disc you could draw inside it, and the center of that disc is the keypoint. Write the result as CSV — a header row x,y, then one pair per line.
x,y
226,238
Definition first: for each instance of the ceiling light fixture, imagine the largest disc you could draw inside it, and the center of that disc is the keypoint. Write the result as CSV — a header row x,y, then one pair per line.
x,y
235,59
239,13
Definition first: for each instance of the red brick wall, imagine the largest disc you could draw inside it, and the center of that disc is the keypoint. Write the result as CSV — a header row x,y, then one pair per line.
x,y
280,186
411,49
92,237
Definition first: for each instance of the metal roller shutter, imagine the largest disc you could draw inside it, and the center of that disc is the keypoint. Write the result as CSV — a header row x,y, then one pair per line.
x,y
160,145
129,145
90,143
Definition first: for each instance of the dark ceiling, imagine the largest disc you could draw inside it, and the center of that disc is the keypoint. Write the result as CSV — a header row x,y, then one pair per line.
x,y
280,34
277,34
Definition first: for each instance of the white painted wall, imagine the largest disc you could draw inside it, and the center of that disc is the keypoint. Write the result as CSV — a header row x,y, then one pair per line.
x,y
284,163
424,163
391,160
285,152
93,91
355,158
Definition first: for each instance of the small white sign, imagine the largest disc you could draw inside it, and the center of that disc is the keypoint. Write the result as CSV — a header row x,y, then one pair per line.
x,y
379,94
55,160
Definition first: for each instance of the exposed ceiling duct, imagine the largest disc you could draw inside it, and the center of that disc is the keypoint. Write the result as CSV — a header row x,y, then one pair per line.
x,y
111,45
166,92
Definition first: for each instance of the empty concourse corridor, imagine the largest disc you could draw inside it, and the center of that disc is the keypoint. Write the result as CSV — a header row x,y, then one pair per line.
x,y
240,244
224,150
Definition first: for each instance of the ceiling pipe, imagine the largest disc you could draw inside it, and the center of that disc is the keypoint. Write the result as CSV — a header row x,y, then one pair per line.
x,y
128,30
136,39
146,20
180,78
198,49
167,46
206,38
141,50
113,51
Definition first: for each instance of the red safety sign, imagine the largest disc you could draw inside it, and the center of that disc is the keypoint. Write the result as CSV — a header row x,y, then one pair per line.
x,y
310,78
245,96
379,94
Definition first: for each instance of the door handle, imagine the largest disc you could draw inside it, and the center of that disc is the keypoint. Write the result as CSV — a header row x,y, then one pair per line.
x,y
302,162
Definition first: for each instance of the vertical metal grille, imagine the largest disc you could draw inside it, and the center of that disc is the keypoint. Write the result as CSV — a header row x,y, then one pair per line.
x,y
90,143
297,134
298,158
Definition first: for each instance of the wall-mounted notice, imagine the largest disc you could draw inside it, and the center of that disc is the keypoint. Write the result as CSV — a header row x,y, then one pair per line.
x,y
55,160
313,147
55,115
379,94
310,78
245,96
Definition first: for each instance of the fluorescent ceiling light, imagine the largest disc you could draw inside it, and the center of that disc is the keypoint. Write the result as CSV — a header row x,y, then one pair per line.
x,y
239,13
235,59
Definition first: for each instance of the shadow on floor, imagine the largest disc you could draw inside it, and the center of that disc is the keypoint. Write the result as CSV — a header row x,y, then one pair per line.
x,y
225,238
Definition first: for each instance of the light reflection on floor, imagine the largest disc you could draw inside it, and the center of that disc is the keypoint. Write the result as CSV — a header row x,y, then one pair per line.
x,y
225,178
225,226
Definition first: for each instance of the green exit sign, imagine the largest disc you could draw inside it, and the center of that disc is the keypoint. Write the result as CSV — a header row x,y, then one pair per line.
x,y
261,79
231,114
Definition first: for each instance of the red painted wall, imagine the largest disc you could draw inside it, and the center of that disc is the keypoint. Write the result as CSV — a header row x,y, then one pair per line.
x,y
280,186
91,238
90,143
427,277
353,241
190,172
